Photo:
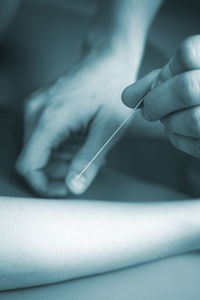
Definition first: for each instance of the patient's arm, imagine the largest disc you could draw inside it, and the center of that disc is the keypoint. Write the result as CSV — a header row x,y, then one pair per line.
x,y
44,241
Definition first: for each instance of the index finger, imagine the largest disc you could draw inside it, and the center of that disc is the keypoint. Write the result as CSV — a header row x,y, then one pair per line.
x,y
187,58
177,93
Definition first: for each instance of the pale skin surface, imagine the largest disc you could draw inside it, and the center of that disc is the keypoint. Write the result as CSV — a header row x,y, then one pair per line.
x,y
70,239
45,241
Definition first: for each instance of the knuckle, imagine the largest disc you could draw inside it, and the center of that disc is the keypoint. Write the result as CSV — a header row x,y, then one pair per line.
x,y
46,119
188,88
34,101
30,105
51,121
194,122
185,54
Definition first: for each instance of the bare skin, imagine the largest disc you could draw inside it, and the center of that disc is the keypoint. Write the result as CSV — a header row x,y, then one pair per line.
x,y
45,241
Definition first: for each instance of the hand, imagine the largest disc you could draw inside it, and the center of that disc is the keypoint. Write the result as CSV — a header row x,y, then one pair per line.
x,y
67,123
173,96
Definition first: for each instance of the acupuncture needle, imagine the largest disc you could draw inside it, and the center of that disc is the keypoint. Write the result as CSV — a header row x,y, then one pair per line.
x,y
109,139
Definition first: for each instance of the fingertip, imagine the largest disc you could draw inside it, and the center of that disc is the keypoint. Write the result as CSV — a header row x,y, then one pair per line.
x,y
45,187
133,93
76,183
124,95
57,189
38,181
128,98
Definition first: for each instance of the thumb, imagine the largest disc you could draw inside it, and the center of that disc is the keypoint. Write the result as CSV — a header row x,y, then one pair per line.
x,y
95,140
132,94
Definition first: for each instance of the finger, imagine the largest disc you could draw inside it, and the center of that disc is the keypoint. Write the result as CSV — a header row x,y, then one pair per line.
x,y
136,91
32,110
35,156
69,148
187,58
185,122
41,183
65,154
180,92
44,186
79,184
57,169
186,144
95,140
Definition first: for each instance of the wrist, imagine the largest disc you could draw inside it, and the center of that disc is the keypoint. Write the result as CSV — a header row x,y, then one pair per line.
x,y
115,47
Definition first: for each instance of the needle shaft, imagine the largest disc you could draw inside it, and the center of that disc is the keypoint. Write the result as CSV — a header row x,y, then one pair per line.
x,y
110,138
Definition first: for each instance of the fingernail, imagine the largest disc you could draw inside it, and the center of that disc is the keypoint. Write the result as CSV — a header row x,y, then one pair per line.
x,y
76,184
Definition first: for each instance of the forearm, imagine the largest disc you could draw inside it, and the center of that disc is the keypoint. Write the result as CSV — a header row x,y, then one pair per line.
x,y
121,27
44,241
